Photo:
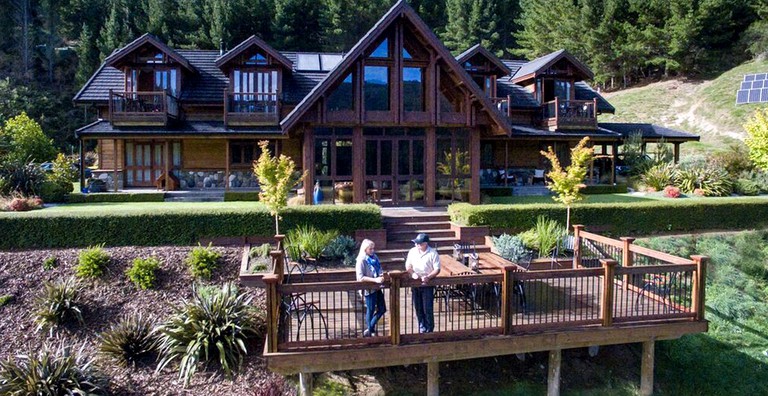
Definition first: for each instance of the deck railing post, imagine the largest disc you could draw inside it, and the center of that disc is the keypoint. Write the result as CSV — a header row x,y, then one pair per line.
x,y
271,281
626,258
279,238
607,303
700,286
394,305
507,295
278,264
577,228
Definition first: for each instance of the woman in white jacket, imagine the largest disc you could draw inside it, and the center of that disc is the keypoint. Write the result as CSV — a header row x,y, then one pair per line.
x,y
368,269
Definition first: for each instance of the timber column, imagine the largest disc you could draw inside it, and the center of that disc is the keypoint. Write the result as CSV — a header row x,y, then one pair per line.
x,y
430,166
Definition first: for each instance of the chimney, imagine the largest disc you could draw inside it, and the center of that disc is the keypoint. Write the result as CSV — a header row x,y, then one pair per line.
x,y
221,47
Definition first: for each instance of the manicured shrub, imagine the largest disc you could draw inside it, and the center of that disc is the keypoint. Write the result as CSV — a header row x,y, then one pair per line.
x,y
171,226
233,196
604,189
202,261
212,327
116,197
511,247
143,272
21,178
130,341
659,176
746,187
54,192
671,192
92,262
624,219
57,304
50,263
51,370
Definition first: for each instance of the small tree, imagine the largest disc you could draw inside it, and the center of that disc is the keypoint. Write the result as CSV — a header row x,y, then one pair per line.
x,y
757,141
277,175
26,140
567,184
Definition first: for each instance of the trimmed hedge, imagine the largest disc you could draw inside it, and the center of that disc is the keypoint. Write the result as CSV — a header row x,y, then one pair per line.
x,y
496,191
232,196
116,197
167,226
619,219
605,189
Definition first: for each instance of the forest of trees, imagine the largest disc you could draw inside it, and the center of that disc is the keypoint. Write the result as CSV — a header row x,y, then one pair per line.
x,y
49,48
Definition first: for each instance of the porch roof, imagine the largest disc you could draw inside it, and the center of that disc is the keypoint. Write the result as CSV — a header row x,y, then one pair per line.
x,y
649,131
104,129
525,131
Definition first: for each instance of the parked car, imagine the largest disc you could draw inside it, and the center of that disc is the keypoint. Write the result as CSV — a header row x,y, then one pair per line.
x,y
47,166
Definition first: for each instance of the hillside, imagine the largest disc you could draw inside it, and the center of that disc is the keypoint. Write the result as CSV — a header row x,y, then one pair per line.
x,y
707,108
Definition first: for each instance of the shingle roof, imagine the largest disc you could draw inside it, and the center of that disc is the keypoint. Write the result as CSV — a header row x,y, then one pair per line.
x,y
247,43
103,128
585,92
520,97
649,131
478,49
528,131
205,86
514,65
145,38
549,59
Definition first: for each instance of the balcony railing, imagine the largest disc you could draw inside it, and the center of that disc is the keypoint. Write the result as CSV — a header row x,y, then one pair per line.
x,y
142,108
251,108
565,114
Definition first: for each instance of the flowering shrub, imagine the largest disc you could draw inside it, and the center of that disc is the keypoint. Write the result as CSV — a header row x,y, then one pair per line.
x,y
21,204
699,192
671,192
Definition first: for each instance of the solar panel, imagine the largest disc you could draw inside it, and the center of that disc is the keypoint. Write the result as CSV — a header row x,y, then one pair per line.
x,y
754,89
308,62
329,61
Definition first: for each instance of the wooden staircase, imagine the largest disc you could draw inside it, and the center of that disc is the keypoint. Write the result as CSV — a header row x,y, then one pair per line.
x,y
403,225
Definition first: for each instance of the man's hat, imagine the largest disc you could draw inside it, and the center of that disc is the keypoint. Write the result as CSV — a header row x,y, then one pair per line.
x,y
421,238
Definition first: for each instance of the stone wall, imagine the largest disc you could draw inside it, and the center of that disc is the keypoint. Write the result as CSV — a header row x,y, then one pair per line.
x,y
107,177
200,180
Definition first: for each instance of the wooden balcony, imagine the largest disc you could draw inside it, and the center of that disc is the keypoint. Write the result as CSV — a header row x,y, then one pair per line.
x,y
570,114
142,108
251,109
610,292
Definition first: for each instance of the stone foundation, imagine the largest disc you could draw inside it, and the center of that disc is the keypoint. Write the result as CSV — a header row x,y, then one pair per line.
x,y
200,180
107,177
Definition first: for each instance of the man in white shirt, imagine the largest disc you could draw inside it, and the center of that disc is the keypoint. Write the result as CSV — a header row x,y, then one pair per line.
x,y
423,263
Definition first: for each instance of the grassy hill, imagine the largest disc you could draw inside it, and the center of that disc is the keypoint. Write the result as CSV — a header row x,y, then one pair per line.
x,y
704,107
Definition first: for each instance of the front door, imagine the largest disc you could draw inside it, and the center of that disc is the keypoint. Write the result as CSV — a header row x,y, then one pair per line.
x,y
453,168
394,166
143,163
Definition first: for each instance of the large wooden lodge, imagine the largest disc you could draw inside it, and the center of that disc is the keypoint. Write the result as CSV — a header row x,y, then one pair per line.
x,y
426,128
398,120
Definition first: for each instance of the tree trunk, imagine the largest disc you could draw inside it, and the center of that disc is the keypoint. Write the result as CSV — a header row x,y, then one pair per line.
x,y
567,219
277,227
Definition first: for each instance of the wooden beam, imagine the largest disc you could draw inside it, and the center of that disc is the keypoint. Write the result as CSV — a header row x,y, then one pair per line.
x,y
388,355
606,304
166,163
646,368
308,164
227,157
430,166
358,169
114,164
553,372
82,165
433,379
474,166
677,152
305,384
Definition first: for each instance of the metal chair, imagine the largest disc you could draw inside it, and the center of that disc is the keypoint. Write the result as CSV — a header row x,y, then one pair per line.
x,y
563,247
296,305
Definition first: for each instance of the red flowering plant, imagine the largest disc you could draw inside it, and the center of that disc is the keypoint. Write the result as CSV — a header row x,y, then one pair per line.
x,y
671,192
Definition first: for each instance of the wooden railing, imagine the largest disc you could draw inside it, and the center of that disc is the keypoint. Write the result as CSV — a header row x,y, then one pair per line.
x,y
248,108
329,314
142,106
570,113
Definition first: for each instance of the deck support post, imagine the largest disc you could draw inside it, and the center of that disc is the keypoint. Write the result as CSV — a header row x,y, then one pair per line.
x,y
626,259
305,384
273,313
228,156
699,285
607,300
433,378
577,228
114,163
553,376
646,368
507,296
394,306
82,165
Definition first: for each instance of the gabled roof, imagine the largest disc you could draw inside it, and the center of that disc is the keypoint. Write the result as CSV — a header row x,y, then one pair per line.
x,y
537,65
147,38
401,8
478,49
248,43
585,92
519,96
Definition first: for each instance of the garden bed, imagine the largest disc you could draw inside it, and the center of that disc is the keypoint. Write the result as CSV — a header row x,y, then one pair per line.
x,y
114,296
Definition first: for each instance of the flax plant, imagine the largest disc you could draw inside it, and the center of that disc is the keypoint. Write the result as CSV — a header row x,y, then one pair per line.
x,y
277,176
567,183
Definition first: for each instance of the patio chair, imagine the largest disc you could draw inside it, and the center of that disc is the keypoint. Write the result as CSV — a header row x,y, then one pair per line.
x,y
296,305
538,174
655,295
299,266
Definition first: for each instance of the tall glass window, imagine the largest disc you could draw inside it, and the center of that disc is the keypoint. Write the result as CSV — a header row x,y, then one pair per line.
x,y
376,87
413,88
342,97
382,51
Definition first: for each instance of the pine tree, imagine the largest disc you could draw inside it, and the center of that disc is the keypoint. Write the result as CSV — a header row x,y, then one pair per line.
x,y
297,25
114,34
87,56
549,26
346,21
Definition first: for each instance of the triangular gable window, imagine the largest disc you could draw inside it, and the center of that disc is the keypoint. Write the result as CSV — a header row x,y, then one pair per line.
x,y
257,59
406,54
382,51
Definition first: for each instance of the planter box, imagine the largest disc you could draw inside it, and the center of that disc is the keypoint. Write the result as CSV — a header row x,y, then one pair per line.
x,y
378,236
469,234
